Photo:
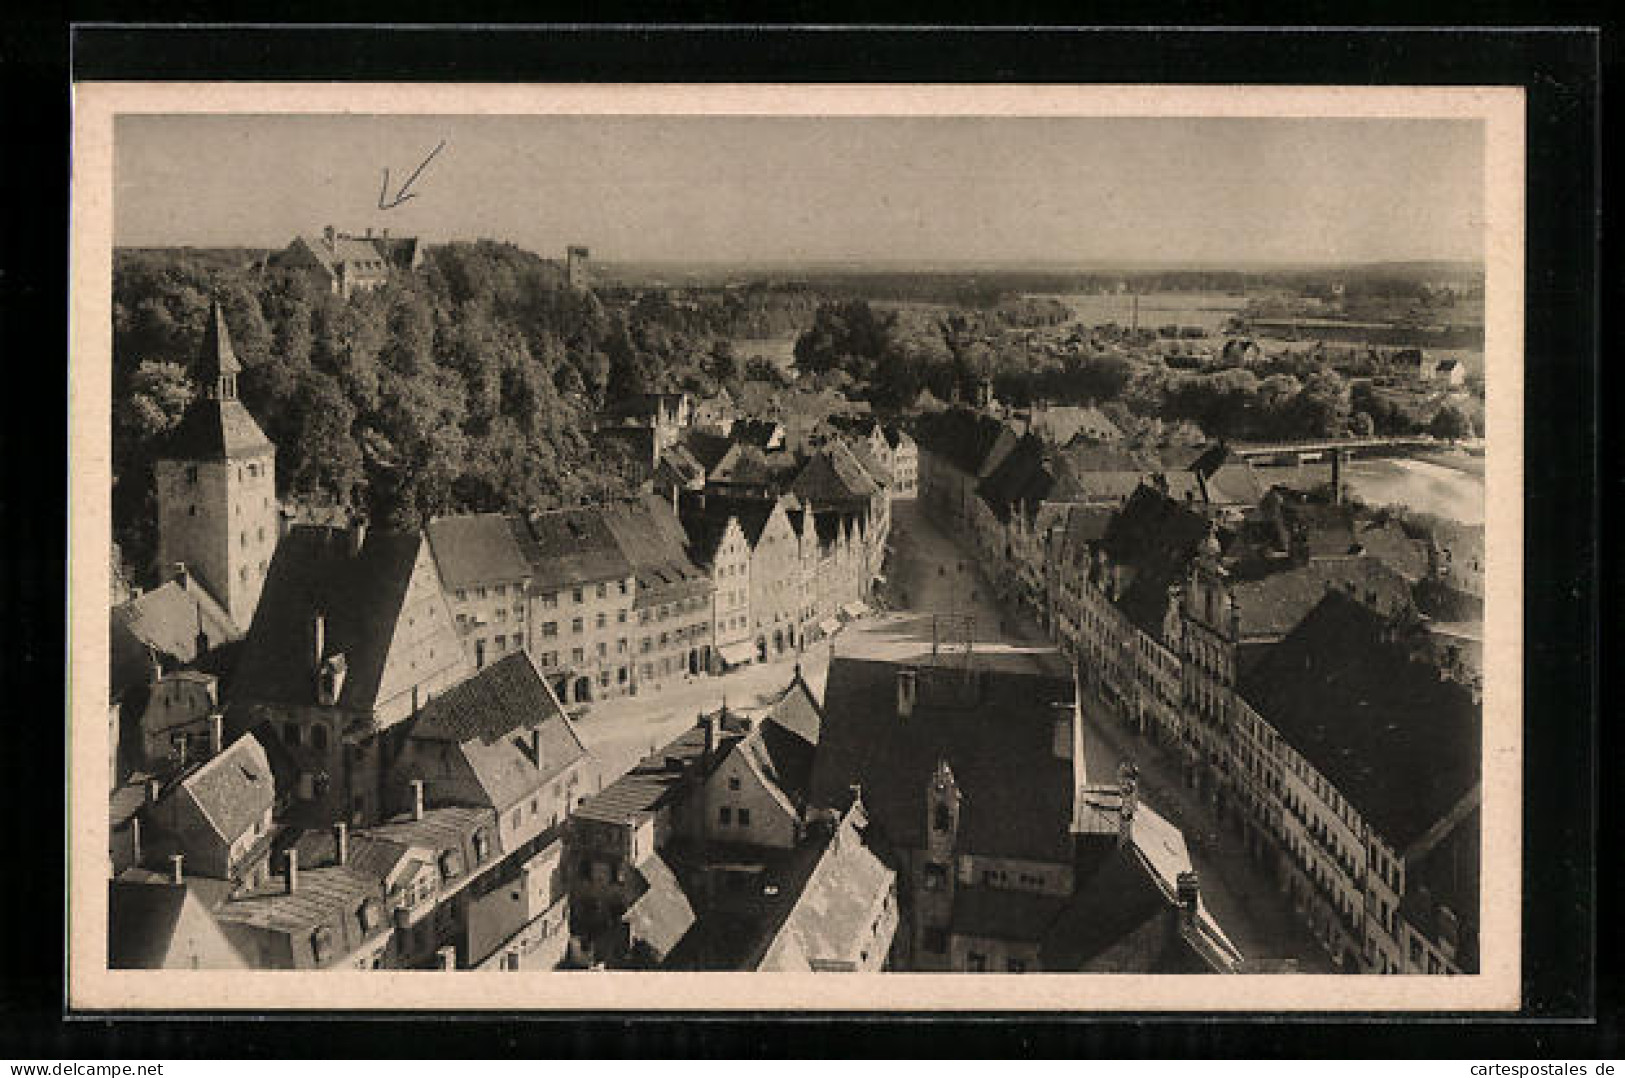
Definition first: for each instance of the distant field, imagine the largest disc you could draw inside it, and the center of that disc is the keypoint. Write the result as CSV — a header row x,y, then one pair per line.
x,y
1210,310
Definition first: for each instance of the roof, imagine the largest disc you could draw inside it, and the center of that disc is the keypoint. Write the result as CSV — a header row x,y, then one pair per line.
x,y
368,854
971,441
566,547
234,789
1397,740
169,617
144,920
323,896
510,728
833,474
1275,604
707,448
1446,877
832,915
662,915
215,429
1108,905
359,595
651,782
653,542
995,913
752,513
989,728
475,549
1059,425
216,357
795,710
760,433
1156,538
782,756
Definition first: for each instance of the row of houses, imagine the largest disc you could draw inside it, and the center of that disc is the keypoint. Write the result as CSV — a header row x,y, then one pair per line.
x,y
929,814
1285,648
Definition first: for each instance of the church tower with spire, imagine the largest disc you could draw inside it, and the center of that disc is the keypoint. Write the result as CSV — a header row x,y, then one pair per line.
x,y
216,486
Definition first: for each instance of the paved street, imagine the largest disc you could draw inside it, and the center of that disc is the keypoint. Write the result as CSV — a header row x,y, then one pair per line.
x,y
941,583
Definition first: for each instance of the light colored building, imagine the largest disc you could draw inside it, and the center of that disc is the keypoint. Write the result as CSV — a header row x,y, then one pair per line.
x,y
343,263
487,582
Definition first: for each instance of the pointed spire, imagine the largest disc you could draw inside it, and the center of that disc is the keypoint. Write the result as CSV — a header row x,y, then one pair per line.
x,y
217,363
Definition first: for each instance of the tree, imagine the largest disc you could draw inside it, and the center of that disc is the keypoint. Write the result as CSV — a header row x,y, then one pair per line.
x,y
1451,423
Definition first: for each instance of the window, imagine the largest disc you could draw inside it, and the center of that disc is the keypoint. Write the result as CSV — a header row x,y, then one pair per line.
x,y
518,816
479,593
550,658
976,963
550,599
733,782
601,619
462,595
290,733
725,816
550,629
577,625
623,587
575,595
936,876
603,590
502,590
744,817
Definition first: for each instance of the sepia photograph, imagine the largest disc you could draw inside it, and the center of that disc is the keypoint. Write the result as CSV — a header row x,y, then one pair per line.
x,y
624,536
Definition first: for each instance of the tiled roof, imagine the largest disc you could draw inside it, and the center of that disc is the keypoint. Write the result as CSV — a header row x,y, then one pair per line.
x,y
169,617
974,443
753,513
756,432
505,696
492,716
1400,743
214,429
654,779
831,917
796,710
1060,425
566,547
234,789
653,541
833,474
360,596
324,897
662,915
707,448
478,548
996,732
1275,604
370,855
1156,538
216,356
1107,906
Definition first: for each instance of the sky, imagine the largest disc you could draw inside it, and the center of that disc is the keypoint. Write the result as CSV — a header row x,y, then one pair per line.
x,y
760,189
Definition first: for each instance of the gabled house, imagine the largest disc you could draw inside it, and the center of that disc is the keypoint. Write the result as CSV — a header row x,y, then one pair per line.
x,y
164,925
217,816
352,637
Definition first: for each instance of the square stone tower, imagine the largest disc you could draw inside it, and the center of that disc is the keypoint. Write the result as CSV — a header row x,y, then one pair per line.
x,y
216,486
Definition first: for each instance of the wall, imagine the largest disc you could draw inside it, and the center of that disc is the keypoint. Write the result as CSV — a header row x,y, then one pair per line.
x,y
594,652
492,618
529,904
736,786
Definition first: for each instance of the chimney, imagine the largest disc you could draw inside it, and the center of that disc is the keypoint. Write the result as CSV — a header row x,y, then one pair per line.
x,y
341,843
135,840
155,666
179,574
177,874
710,724
357,533
447,958
293,870
536,746
417,799
217,734
154,788
331,236
1128,787
1188,893
1337,477
908,690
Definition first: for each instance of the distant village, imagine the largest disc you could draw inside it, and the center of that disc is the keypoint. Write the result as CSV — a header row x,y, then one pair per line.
x,y
340,746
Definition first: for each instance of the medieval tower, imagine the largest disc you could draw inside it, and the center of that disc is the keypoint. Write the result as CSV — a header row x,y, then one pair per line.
x,y
216,486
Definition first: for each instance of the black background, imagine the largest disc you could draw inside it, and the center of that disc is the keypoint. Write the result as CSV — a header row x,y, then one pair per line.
x,y
1571,1004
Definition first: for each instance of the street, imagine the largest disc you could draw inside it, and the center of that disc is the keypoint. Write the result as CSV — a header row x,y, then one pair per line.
x,y
947,597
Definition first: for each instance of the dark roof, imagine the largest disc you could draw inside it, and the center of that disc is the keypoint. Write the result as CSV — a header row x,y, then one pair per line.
x,y
994,913
971,441
215,429
756,432
653,542
235,788
833,475
1109,903
216,356
142,921
505,696
783,756
360,596
1446,877
1275,604
753,513
477,548
653,780
566,547
995,730
796,711
1155,538
1397,740
707,448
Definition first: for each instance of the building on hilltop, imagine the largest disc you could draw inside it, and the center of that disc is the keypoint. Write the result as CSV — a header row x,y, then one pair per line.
x,y
343,263
578,267
215,482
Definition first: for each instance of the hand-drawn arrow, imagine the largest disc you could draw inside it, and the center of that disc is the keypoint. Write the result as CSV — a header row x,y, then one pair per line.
x,y
405,192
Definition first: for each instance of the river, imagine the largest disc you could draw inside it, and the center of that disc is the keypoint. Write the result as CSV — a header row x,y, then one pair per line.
x,y
1419,484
